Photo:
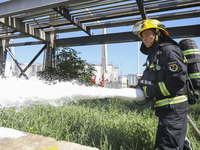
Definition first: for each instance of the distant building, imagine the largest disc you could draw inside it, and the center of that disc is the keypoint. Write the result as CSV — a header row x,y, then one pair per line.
x,y
133,79
123,81
13,70
110,76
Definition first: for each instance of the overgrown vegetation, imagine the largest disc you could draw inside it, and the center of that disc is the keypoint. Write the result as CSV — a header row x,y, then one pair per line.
x,y
108,124
68,66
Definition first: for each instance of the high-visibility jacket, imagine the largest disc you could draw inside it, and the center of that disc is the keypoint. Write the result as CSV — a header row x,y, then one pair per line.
x,y
165,75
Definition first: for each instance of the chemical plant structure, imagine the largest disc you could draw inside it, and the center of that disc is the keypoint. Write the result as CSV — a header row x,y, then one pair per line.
x,y
110,79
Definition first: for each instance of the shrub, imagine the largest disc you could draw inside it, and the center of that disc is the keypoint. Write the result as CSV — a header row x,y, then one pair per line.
x,y
68,66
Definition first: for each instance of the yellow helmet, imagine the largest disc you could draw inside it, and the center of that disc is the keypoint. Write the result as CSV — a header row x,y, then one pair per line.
x,y
140,26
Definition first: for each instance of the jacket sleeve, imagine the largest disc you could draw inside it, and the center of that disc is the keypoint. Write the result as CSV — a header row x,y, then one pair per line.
x,y
174,74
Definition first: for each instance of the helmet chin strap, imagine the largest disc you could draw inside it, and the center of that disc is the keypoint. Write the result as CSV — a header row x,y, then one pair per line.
x,y
157,32
156,37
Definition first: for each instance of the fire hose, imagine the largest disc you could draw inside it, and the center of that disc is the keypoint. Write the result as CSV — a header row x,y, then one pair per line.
x,y
196,130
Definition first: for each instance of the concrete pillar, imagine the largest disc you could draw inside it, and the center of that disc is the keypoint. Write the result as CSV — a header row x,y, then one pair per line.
x,y
3,55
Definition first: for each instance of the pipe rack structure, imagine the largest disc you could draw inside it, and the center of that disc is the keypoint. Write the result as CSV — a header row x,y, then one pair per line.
x,y
44,19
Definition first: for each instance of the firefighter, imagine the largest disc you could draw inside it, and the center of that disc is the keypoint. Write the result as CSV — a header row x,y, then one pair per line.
x,y
164,82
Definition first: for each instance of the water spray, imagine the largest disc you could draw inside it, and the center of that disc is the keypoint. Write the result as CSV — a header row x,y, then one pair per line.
x,y
19,92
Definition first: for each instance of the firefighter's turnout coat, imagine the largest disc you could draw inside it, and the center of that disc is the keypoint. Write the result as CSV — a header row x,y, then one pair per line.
x,y
164,78
164,81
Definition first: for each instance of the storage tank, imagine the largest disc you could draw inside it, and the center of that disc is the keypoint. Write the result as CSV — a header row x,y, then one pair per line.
x,y
132,80
98,73
109,73
34,69
8,69
115,74
110,76
39,67
123,81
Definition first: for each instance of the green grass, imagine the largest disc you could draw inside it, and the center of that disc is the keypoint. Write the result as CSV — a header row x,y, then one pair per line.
x,y
108,124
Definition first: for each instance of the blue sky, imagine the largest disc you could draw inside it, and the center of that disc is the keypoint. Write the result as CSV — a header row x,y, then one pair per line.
x,y
122,55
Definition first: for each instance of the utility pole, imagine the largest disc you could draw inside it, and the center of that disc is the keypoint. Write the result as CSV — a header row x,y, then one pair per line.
x,y
104,56
104,52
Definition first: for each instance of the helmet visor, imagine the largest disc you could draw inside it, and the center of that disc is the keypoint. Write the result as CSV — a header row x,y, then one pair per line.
x,y
137,27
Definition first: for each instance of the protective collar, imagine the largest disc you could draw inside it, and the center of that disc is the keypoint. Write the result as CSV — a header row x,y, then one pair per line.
x,y
154,47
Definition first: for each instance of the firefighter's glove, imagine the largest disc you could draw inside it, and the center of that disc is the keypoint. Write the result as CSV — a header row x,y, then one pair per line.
x,y
144,88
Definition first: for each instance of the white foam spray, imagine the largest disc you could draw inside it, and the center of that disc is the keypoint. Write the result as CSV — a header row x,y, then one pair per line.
x,y
10,133
19,92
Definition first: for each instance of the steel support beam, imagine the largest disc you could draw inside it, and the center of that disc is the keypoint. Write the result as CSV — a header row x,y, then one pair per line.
x,y
15,7
117,23
3,54
50,52
65,13
172,5
24,28
21,6
141,8
25,43
32,61
12,36
132,21
127,22
98,39
16,62
176,32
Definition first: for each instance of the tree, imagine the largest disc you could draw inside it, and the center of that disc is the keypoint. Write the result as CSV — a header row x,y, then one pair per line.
x,y
68,66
